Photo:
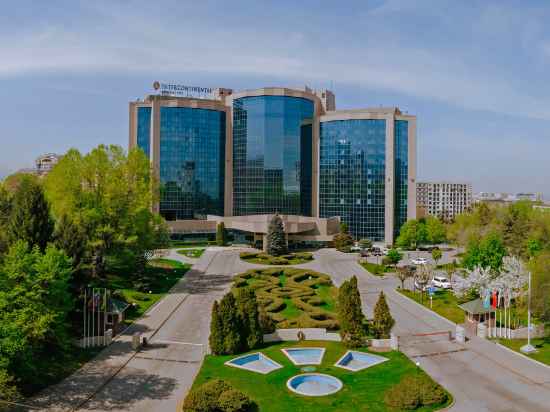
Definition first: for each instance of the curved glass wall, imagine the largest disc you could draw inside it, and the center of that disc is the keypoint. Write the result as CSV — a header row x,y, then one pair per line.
x,y
352,168
144,129
401,159
192,159
272,153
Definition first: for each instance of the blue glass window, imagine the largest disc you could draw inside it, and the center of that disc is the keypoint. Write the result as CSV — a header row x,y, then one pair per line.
x,y
192,162
352,167
401,159
144,129
272,153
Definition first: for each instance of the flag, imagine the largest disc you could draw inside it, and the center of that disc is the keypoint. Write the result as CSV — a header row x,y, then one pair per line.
x,y
494,299
486,299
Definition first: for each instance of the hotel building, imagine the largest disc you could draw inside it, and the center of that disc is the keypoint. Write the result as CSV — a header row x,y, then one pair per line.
x,y
240,157
444,200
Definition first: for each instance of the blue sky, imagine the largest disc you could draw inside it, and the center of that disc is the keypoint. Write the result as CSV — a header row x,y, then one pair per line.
x,y
475,73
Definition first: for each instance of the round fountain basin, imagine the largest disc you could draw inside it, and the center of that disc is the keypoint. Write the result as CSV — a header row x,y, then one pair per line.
x,y
314,384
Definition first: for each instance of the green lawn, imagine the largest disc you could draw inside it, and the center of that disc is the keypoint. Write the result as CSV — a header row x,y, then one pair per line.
x,y
375,269
542,345
362,391
192,253
159,277
444,303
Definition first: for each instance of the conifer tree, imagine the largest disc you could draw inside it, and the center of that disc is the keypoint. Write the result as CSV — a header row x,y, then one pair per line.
x,y
383,321
216,331
350,314
276,239
30,218
343,240
70,237
231,325
221,234
247,306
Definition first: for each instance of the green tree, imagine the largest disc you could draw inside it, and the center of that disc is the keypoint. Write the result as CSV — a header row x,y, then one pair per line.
x,y
540,290
110,194
69,236
383,321
276,239
394,257
350,314
30,219
365,243
34,305
435,230
487,252
247,306
5,210
516,226
404,273
221,234
437,254
231,325
412,234
215,339
343,240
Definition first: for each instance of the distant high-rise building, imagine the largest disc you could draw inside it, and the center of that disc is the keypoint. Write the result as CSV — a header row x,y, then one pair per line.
x,y
444,200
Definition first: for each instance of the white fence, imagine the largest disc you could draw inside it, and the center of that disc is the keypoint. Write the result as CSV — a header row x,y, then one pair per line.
x,y
309,334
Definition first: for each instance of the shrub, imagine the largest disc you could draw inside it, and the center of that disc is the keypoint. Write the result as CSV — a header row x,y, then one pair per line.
x,y
221,234
383,321
217,396
215,339
413,392
247,306
266,322
279,261
235,401
343,240
248,255
350,314
226,329
205,397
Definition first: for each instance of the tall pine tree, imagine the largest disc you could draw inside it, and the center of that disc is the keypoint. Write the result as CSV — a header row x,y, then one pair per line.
x,y
216,331
276,239
247,306
383,321
350,314
231,325
30,219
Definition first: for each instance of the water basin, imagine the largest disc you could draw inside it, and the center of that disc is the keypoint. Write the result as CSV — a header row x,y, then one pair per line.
x,y
305,356
314,384
254,362
355,361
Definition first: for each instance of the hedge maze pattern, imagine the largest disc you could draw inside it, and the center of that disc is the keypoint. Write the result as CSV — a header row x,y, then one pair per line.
x,y
275,285
288,259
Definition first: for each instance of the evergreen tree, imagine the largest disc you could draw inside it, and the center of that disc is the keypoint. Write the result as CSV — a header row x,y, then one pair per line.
x,y
221,234
216,331
350,314
276,239
383,321
247,306
343,240
70,238
231,325
30,219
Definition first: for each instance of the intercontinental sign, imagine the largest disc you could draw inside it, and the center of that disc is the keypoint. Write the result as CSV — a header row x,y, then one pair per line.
x,y
169,89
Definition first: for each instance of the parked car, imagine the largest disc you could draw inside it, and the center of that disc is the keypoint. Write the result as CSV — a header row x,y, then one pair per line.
x,y
419,261
365,253
356,247
418,286
375,251
441,282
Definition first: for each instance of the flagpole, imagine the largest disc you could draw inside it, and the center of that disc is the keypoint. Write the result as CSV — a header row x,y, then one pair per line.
x,y
528,348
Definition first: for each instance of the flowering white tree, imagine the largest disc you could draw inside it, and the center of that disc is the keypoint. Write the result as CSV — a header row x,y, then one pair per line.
x,y
513,277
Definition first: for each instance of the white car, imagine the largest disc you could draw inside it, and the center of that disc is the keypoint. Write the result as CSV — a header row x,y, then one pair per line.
x,y
356,248
419,261
441,282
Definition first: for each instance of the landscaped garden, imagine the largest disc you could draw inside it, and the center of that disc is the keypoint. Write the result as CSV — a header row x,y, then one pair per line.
x,y
286,259
194,253
376,269
293,297
392,382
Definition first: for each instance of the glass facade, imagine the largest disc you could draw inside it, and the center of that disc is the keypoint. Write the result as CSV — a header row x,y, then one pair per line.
x,y
192,162
352,168
272,153
401,159
144,129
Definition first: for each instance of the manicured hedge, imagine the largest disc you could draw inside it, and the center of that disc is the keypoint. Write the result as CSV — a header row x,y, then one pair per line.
x,y
277,288
288,259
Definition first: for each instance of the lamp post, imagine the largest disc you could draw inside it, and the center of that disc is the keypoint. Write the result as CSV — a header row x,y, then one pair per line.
x,y
528,348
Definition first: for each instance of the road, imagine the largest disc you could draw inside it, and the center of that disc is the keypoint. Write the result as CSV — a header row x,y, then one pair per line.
x,y
480,375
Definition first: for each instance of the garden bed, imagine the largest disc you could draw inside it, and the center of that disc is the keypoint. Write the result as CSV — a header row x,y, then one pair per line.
x,y
288,259
191,253
444,303
294,298
376,269
362,390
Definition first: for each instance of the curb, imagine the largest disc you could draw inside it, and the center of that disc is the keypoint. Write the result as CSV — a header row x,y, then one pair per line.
x,y
522,355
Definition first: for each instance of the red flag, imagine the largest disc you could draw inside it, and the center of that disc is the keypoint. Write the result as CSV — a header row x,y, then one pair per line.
x,y
494,300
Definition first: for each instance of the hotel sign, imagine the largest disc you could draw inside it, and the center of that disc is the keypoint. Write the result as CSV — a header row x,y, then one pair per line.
x,y
169,89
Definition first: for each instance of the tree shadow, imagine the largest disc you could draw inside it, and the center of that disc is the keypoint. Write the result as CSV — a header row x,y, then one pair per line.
x,y
197,282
